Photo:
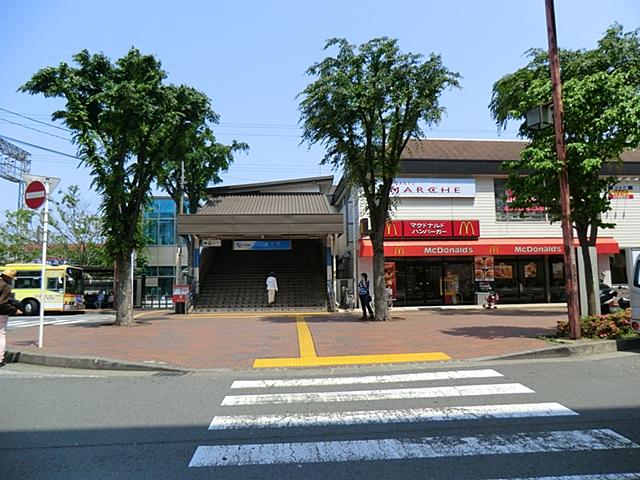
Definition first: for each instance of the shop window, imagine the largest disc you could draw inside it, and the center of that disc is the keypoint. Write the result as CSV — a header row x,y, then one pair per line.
x,y
618,266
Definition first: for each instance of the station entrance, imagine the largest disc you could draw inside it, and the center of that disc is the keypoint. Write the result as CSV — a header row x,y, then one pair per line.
x,y
234,278
245,232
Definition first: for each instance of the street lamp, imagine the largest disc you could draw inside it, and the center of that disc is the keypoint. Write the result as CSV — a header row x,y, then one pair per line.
x,y
540,117
571,276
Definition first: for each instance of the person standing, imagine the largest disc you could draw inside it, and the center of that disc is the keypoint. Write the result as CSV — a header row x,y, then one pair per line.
x,y
365,296
100,300
272,288
8,306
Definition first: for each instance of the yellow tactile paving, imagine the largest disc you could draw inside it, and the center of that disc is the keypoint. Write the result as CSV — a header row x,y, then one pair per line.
x,y
309,358
350,360
305,341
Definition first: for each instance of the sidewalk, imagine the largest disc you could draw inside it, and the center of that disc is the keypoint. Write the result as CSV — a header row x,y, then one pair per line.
x,y
241,341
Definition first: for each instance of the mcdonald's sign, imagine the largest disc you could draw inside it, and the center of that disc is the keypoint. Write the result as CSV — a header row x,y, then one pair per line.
x,y
494,250
393,229
398,251
466,228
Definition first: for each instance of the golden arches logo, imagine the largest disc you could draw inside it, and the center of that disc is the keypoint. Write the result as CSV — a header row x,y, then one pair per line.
x,y
465,228
398,251
391,229
493,250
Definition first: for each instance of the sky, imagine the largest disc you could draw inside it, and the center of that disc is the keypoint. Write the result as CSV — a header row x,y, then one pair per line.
x,y
250,58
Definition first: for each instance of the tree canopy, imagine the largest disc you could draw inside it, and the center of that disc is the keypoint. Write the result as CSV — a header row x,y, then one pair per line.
x,y
601,95
126,120
364,105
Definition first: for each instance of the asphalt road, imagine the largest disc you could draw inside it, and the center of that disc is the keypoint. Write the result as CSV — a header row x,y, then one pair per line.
x,y
547,418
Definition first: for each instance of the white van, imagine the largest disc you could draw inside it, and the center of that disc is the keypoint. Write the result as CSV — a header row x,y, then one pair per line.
x,y
635,297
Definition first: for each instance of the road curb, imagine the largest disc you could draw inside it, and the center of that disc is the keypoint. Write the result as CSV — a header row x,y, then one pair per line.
x,y
583,348
85,363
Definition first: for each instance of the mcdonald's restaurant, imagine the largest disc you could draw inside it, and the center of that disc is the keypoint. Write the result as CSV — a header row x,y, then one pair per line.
x,y
453,235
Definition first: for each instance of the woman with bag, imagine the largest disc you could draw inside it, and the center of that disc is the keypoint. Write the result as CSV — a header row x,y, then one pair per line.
x,y
365,296
8,306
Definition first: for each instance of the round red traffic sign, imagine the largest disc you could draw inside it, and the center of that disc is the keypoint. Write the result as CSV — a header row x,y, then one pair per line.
x,y
34,195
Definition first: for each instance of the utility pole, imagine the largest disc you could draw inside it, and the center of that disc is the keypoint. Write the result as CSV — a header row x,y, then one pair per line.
x,y
180,210
571,276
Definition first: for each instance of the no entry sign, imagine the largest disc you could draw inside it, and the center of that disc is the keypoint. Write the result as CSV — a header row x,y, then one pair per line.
x,y
35,194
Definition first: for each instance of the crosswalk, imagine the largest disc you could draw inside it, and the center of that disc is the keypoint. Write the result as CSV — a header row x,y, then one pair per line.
x,y
35,321
329,402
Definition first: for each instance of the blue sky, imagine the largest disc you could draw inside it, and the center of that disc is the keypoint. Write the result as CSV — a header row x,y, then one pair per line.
x,y
250,58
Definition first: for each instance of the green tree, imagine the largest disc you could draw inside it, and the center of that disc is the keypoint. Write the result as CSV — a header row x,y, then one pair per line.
x,y
125,120
19,237
201,158
76,233
601,95
364,106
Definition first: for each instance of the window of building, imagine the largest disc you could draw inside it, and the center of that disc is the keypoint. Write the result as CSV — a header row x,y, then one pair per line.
x,y
160,222
618,265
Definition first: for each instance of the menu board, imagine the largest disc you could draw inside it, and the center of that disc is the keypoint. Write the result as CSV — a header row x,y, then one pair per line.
x,y
484,269
504,271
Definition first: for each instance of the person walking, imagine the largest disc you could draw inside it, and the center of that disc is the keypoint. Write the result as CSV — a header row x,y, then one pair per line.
x,y
8,306
272,288
365,296
100,300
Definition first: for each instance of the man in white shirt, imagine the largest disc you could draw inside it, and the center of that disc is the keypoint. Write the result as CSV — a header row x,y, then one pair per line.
x,y
272,288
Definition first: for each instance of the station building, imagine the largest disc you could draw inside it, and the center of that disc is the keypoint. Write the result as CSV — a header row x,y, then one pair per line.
x,y
453,235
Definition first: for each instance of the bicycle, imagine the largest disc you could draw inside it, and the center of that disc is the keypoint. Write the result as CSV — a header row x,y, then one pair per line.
x,y
349,301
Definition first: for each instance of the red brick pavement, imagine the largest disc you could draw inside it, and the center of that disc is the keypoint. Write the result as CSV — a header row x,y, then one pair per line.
x,y
235,342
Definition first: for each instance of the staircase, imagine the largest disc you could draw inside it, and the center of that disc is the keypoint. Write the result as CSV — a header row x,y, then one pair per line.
x,y
235,280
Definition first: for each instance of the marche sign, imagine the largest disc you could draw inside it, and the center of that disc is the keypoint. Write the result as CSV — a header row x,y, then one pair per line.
x,y
36,194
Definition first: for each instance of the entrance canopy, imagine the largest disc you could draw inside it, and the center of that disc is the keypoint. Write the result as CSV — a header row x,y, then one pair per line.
x,y
482,246
263,215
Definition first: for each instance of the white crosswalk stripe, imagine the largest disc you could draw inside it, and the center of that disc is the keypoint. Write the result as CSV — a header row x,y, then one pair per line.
x,y
399,448
367,395
603,476
407,377
366,417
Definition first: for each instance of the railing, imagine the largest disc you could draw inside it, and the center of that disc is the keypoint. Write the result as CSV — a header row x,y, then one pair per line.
x,y
155,302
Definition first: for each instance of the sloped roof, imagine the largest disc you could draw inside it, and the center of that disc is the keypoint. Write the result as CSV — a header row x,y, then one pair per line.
x,y
269,204
477,150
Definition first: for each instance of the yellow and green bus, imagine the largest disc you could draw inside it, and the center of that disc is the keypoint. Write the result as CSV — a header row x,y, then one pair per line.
x,y
64,287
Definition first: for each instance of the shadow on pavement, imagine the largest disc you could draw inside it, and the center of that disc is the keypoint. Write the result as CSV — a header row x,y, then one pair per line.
x,y
498,331
501,312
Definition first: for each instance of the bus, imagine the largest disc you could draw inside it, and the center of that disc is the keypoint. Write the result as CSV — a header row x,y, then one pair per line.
x,y
64,287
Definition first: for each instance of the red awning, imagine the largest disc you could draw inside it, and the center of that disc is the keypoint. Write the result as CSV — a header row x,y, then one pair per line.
x,y
482,246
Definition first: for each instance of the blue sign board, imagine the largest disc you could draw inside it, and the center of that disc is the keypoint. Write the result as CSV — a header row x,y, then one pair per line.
x,y
262,244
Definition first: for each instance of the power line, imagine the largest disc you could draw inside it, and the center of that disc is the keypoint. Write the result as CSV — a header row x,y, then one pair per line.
x,y
35,120
34,129
38,146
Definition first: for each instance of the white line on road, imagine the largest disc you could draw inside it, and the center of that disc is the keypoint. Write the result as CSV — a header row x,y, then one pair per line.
x,y
388,394
600,476
407,377
397,449
369,417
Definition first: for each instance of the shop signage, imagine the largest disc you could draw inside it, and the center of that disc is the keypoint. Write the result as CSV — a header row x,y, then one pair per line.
x,y
262,244
477,248
434,187
621,192
433,229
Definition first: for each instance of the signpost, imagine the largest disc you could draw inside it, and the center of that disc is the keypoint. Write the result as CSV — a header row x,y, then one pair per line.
x,y
36,194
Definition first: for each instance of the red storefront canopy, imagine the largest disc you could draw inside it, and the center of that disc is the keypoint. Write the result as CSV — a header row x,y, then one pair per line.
x,y
482,246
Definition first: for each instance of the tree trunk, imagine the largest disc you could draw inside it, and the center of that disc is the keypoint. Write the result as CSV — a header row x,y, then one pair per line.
x,y
381,310
124,290
592,295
